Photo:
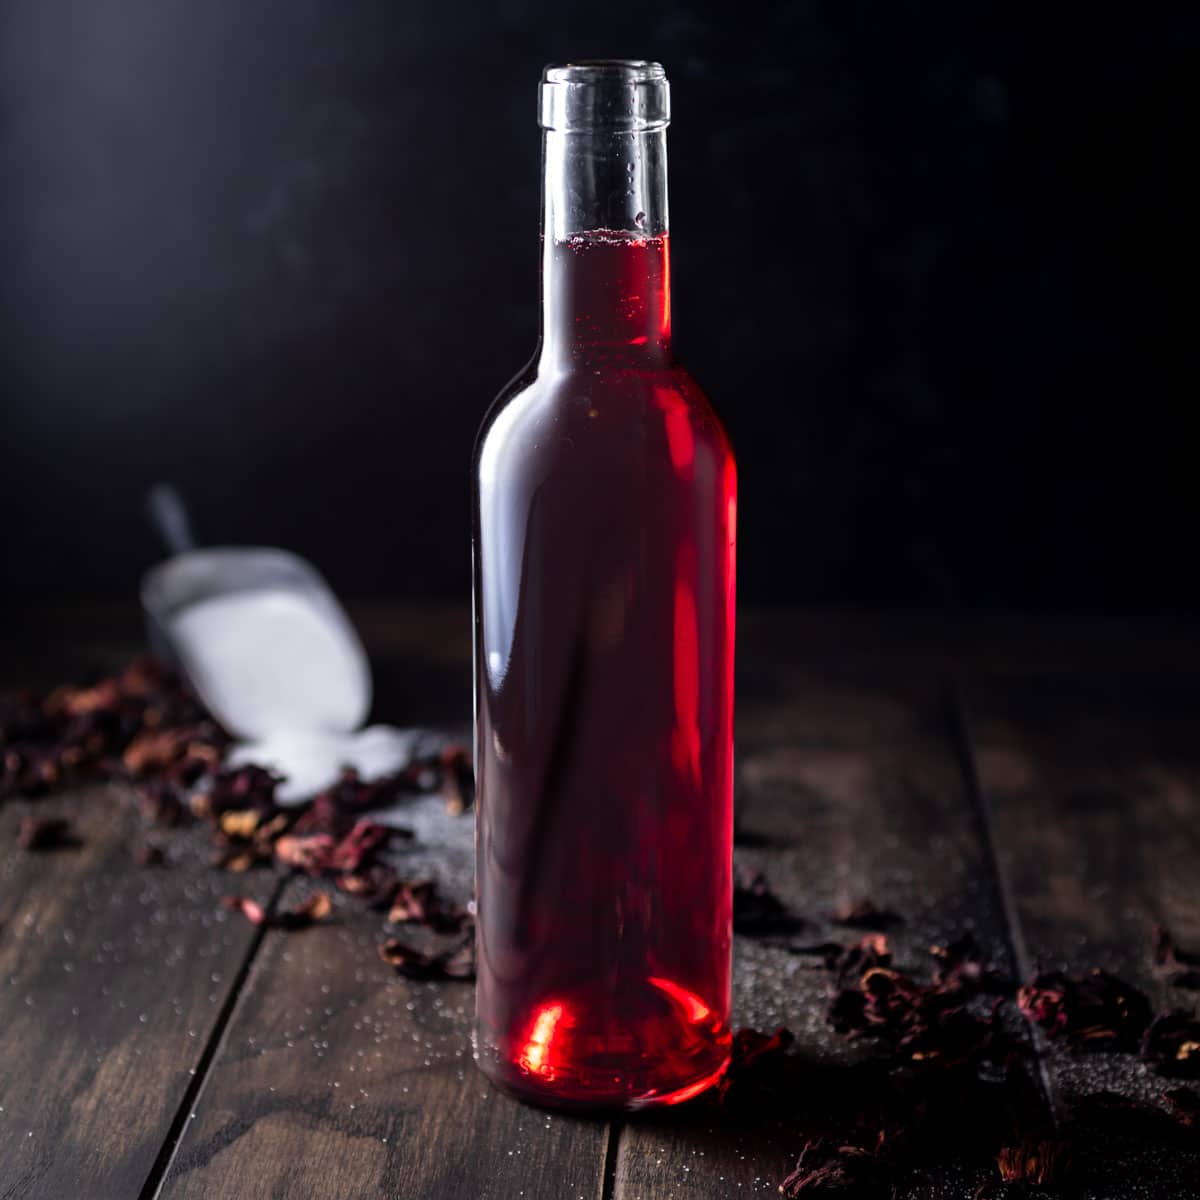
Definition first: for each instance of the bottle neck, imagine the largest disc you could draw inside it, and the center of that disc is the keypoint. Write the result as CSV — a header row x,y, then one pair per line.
x,y
606,277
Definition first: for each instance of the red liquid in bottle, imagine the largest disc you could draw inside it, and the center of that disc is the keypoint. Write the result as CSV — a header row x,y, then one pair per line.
x,y
604,689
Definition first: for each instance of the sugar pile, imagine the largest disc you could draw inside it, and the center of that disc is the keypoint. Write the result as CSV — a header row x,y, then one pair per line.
x,y
311,760
281,669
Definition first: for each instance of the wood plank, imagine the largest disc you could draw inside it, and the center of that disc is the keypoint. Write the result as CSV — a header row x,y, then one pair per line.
x,y
337,1078
848,790
113,980
1094,790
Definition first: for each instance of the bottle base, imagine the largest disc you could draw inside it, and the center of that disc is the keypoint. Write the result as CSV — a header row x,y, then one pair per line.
x,y
661,1045
529,1088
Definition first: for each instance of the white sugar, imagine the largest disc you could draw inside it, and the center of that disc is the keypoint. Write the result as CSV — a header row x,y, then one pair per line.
x,y
273,660
312,761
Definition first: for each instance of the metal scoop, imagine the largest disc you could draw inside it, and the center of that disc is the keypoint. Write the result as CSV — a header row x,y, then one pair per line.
x,y
256,631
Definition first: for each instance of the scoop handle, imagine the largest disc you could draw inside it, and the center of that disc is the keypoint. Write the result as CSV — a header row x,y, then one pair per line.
x,y
168,514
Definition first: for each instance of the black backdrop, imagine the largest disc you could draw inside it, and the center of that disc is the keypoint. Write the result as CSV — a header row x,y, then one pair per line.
x,y
932,261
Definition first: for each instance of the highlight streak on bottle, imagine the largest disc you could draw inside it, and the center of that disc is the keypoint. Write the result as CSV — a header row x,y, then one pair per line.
x,y
688,1093
535,1057
729,488
666,286
694,1008
681,441
686,738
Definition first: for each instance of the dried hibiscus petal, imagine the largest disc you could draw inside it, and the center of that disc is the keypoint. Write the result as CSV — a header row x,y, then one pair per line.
x,y
156,749
1171,1044
316,908
824,1166
756,909
419,902
455,962
249,908
1184,1105
161,802
149,854
1093,1010
310,852
869,952
962,964
458,779
414,901
357,846
758,1064
237,788
923,1024
44,833
1038,1163
376,884
240,822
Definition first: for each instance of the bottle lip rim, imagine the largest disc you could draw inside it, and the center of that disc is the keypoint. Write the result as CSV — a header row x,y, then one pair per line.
x,y
604,95
606,70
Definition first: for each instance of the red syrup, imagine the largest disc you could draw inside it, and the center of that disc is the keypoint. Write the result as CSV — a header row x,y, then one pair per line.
x,y
604,632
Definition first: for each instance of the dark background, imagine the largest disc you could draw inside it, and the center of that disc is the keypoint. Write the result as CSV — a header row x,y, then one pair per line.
x,y
934,263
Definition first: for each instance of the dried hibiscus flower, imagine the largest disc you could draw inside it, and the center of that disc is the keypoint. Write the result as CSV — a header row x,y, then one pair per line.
x,y
316,908
239,789
456,961
756,909
357,847
824,1166
376,884
1184,1105
458,779
419,902
1171,1044
157,749
115,728
1091,1011
44,833
849,963
758,1064
1035,1162
248,907
962,964
150,854
238,851
923,1024
306,852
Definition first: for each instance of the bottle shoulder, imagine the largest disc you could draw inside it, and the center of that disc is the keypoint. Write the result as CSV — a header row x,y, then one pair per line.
x,y
539,402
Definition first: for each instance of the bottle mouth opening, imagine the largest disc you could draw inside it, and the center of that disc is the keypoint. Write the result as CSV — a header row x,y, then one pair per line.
x,y
592,70
618,95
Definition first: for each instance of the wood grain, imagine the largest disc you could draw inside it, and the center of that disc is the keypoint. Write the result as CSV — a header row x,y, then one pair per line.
x,y
112,982
1093,785
336,1078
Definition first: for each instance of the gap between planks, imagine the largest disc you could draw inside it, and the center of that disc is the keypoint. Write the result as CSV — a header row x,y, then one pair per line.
x,y
612,1154
191,1096
958,720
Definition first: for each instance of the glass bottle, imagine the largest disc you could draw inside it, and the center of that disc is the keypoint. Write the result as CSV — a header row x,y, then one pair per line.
x,y
605,498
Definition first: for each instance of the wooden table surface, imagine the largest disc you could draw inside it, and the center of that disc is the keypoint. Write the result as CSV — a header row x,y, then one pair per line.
x,y
1035,781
